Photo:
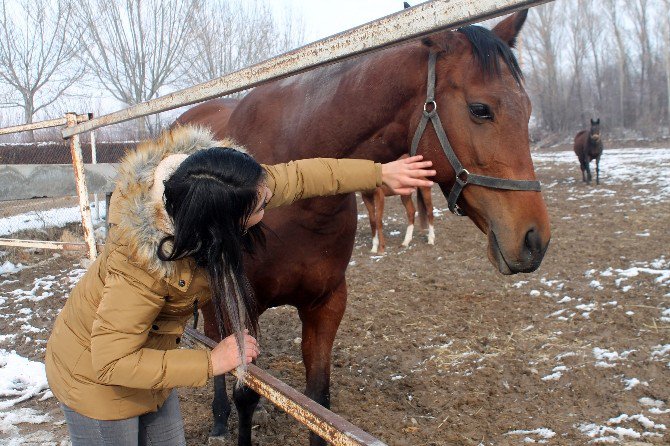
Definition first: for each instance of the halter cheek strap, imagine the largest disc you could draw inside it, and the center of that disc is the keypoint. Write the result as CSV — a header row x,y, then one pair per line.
x,y
463,177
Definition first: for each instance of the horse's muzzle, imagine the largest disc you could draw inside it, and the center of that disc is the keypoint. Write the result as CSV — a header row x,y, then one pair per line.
x,y
526,260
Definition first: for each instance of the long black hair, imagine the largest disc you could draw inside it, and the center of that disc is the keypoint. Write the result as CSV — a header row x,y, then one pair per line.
x,y
209,198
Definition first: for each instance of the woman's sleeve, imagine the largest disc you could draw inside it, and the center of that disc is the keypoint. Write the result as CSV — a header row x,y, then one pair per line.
x,y
319,177
129,306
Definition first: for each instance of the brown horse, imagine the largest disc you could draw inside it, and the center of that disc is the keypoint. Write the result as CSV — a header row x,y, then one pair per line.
x,y
588,147
374,202
371,107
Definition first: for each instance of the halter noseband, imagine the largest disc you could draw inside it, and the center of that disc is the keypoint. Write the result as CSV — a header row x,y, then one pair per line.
x,y
463,177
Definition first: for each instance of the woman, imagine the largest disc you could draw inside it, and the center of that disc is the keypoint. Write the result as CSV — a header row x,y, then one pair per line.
x,y
184,210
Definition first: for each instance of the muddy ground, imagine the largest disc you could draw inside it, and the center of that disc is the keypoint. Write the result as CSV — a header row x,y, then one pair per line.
x,y
438,348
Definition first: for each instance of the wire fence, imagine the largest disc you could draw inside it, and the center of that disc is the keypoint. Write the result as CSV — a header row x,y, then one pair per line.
x,y
38,194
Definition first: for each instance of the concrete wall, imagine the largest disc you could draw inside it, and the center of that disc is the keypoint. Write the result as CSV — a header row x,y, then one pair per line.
x,y
25,181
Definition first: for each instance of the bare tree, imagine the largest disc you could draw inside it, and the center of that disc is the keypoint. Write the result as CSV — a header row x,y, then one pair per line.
x,y
38,49
542,42
231,34
594,27
134,47
578,48
666,54
639,14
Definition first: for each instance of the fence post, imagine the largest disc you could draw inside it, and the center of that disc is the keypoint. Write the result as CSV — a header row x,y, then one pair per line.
x,y
94,160
82,190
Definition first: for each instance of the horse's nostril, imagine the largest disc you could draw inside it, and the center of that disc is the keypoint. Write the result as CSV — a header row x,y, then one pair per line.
x,y
533,242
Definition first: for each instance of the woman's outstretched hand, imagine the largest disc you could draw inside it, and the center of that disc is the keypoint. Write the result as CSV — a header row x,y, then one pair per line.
x,y
404,175
226,356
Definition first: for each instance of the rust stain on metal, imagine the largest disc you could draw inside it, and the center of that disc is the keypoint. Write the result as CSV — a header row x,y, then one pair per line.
x,y
415,22
82,190
328,425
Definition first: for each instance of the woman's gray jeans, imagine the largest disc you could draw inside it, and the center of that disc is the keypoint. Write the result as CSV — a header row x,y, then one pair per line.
x,y
164,427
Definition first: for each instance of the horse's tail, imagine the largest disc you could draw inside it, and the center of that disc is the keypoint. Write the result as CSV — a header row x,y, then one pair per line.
x,y
421,207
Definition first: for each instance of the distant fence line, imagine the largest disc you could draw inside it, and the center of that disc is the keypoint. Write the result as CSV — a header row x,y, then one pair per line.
x,y
58,152
14,180
410,23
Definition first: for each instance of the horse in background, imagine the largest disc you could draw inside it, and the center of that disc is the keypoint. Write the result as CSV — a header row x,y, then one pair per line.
x,y
469,85
374,202
589,147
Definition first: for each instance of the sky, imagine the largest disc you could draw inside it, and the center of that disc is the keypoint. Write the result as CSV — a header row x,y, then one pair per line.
x,y
324,18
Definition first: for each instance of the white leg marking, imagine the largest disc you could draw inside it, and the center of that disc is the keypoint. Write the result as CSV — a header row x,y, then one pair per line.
x,y
375,244
431,235
408,235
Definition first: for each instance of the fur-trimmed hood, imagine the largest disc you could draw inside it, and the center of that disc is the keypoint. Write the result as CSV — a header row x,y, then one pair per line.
x,y
139,210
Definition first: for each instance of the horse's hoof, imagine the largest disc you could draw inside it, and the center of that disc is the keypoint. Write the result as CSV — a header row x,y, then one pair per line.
x,y
221,440
219,431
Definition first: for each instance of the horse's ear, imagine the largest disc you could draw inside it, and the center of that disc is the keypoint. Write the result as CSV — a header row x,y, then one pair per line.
x,y
509,28
598,121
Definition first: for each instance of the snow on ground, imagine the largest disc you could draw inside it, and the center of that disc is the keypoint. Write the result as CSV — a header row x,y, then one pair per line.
x,y
49,218
22,379
644,169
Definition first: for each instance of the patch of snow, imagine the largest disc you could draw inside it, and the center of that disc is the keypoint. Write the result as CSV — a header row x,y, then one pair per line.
x,y
20,378
10,268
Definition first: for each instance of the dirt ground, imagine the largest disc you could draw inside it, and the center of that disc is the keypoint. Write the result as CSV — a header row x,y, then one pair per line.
x,y
437,348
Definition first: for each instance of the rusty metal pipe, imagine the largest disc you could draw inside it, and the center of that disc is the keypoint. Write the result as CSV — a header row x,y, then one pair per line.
x,y
39,125
328,425
410,23
82,189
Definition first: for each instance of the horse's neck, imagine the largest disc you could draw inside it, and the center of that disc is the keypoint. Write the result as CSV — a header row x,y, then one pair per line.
x,y
358,109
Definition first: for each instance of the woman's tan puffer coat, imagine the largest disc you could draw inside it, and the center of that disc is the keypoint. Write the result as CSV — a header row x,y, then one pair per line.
x,y
113,352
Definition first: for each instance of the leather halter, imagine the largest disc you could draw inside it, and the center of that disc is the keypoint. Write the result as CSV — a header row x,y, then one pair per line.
x,y
463,177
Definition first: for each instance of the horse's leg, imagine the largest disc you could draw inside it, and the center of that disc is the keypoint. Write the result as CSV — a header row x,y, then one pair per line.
x,y
411,213
425,204
379,219
369,202
588,171
246,401
220,403
319,326
597,170
582,168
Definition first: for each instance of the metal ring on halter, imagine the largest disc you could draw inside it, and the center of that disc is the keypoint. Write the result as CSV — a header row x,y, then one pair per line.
x,y
458,211
433,110
462,176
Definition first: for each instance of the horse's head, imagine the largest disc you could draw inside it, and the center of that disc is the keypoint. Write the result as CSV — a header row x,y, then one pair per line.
x,y
482,104
595,130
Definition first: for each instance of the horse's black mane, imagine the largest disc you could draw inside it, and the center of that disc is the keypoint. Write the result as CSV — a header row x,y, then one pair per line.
x,y
487,48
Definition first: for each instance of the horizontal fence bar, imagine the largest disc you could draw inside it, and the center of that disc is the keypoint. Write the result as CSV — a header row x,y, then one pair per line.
x,y
328,425
60,246
408,24
41,125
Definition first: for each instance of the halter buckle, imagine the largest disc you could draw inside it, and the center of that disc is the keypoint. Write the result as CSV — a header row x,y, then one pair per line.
x,y
433,108
462,177
458,211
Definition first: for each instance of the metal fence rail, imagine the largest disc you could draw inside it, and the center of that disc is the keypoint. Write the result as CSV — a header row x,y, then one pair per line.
x,y
328,425
70,119
393,29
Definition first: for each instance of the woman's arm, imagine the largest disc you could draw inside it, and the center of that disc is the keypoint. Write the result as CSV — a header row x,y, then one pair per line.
x,y
129,306
317,177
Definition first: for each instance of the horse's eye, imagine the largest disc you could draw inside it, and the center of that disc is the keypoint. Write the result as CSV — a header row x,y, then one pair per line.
x,y
481,111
